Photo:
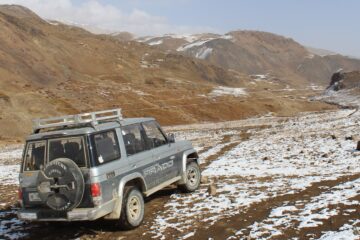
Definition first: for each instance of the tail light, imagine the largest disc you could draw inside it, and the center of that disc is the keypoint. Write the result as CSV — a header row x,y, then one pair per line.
x,y
96,193
95,190
20,194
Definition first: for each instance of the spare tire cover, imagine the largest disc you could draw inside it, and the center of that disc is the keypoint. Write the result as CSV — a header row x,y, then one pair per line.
x,y
61,185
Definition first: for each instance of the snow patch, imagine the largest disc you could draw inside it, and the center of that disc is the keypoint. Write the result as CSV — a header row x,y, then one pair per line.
x,y
221,91
11,154
203,53
158,42
9,174
346,232
193,44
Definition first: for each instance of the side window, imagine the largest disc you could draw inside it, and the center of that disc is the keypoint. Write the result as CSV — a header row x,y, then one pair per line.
x,y
155,138
106,147
133,139
35,156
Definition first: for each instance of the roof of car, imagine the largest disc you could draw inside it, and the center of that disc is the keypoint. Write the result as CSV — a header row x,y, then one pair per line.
x,y
86,129
129,121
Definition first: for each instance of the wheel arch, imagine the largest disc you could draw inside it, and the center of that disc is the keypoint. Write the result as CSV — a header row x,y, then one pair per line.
x,y
134,179
188,156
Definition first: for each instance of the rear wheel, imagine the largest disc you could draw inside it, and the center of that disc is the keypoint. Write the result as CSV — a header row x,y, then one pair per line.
x,y
132,212
193,177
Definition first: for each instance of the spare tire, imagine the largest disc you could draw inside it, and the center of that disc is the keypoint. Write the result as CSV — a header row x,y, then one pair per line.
x,y
61,185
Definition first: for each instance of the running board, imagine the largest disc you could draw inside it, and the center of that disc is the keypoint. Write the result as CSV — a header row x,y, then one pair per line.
x,y
161,186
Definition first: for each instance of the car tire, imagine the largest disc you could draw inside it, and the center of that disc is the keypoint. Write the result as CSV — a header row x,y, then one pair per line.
x,y
133,208
193,178
65,172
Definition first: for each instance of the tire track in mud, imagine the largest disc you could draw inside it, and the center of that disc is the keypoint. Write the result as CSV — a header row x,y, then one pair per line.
x,y
258,212
228,145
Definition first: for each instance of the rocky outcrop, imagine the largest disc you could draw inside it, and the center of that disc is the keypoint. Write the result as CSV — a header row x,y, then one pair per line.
x,y
345,80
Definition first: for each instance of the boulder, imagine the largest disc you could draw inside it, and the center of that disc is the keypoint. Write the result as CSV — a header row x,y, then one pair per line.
x,y
212,189
204,179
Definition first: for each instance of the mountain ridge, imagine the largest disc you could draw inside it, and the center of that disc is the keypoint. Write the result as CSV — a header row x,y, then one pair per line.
x,y
49,69
258,52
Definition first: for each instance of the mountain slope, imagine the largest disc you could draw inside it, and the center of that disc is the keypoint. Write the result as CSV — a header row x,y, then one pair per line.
x,y
48,68
255,52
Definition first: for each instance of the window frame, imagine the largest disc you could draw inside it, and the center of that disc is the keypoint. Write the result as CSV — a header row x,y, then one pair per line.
x,y
94,153
160,130
142,132
27,149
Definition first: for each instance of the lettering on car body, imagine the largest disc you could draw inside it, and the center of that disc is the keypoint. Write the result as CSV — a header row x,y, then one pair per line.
x,y
158,168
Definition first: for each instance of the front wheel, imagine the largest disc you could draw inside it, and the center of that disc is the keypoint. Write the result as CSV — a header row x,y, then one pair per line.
x,y
132,212
193,177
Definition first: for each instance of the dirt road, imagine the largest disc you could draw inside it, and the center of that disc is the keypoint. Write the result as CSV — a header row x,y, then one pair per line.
x,y
276,178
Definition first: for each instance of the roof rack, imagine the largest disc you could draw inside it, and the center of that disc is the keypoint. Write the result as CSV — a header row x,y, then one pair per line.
x,y
93,118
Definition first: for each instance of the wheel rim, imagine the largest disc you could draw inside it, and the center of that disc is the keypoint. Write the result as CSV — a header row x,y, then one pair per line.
x,y
134,208
192,176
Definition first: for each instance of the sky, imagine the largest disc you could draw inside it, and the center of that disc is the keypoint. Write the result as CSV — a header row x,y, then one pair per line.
x,y
326,24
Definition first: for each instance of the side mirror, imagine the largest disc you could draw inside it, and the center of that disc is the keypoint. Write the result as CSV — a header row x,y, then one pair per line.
x,y
171,138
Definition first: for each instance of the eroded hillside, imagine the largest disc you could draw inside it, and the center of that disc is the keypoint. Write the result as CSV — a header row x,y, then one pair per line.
x,y
47,68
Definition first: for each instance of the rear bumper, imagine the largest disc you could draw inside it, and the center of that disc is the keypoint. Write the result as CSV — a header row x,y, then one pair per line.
x,y
78,214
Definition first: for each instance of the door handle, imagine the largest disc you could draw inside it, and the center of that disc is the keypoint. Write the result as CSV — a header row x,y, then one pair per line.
x,y
172,157
133,166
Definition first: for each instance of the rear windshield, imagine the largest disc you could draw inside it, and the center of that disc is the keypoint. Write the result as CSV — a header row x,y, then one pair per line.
x,y
38,153
72,148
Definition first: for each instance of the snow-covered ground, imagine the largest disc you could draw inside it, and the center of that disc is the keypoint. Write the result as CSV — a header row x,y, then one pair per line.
x,y
306,214
9,164
283,159
346,232
265,158
9,174
342,97
11,154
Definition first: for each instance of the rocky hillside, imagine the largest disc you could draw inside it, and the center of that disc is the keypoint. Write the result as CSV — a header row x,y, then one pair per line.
x,y
345,81
254,52
343,90
47,69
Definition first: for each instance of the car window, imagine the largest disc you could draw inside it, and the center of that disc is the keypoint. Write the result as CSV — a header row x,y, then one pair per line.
x,y
35,156
155,137
70,147
106,147
133,139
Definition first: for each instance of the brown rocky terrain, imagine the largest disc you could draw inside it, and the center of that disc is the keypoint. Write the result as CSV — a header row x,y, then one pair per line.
x,y
48,68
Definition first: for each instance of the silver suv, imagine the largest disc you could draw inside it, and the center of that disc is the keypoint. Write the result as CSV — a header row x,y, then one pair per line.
x,y
100,165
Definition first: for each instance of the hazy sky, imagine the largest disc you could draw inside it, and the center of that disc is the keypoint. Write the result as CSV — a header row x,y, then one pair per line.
x,y
327,24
